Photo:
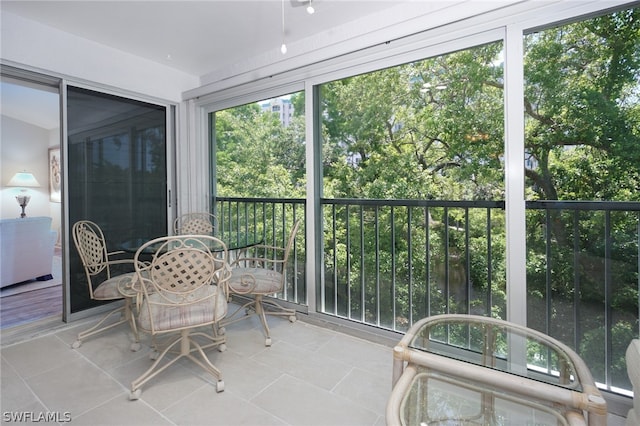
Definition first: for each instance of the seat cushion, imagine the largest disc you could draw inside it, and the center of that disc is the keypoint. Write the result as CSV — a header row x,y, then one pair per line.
x,y
108,290
255,280
175,317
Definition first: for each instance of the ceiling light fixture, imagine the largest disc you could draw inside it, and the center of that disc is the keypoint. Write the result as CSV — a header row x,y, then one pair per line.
x,y
310,8
283,48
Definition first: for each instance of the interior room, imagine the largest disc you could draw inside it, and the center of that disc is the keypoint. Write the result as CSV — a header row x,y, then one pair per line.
x,y
346,171
30,140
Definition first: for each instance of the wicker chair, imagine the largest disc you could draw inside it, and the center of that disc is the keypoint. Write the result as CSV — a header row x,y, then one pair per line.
x,y
183,287
103,283
259,271
195,223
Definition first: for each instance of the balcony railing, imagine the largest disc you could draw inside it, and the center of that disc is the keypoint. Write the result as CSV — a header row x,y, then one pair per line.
x,y
389,263
583,263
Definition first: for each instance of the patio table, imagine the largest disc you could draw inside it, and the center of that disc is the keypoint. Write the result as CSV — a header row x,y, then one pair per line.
x,y
474,370
234,240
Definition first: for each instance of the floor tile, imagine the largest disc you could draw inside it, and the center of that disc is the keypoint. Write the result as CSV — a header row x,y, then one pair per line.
x,y
367,389
244,377
16,396
300,403
206,407
75,387
305,336
313,367
120,411
112,348
36,356
352,350
171,384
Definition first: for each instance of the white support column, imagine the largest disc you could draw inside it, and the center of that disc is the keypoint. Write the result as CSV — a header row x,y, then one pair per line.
x,y
312,199
514,176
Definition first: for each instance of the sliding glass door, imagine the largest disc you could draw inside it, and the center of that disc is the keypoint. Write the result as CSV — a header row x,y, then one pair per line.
x,y
117,175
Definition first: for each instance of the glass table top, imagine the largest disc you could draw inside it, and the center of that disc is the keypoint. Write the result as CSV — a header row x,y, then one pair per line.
x,y
234,240
434,399
511,349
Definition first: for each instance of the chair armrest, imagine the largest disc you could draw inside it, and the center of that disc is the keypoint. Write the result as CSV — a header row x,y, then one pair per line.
x,y
250,255
120,261
223,280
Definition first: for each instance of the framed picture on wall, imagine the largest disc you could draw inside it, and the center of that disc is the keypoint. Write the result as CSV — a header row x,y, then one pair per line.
x,y
55,183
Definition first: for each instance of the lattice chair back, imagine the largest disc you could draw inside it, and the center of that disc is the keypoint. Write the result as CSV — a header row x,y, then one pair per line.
x,y
195,224
92,249
181,274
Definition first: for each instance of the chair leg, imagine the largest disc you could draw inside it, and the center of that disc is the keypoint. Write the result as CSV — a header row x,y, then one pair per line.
x,y
98,329
135,345
261,313
187,346
193,346
153,371
278,310
233,317
258,304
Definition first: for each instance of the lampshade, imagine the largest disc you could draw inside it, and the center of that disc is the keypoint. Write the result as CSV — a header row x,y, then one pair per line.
x,y
24,180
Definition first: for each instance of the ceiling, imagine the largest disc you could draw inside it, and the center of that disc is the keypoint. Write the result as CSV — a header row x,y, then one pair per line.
x,y
197,37
39,107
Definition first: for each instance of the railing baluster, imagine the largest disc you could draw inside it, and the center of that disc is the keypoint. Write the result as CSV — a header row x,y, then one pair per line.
x,y
363,289
335,263
467,259
608,323
547,238
409,265
393,266
427,222
447,290
489,308
576,279
349,264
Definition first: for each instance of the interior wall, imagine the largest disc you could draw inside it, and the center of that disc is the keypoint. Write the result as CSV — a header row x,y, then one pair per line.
x,y
37,47
25,147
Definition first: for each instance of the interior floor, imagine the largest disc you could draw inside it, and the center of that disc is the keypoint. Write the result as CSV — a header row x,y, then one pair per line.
x,y
311,375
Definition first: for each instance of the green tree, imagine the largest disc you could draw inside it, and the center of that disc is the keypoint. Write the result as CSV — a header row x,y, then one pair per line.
x,y
258,157
581,101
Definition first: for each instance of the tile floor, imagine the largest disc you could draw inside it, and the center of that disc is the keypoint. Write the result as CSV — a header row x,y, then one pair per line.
x,y
310,376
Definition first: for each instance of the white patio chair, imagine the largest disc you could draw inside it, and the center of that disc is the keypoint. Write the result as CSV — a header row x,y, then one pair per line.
x,y
259,271
102,282
182,288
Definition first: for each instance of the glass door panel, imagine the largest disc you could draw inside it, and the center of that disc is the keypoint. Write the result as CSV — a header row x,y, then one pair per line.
x,y
117,174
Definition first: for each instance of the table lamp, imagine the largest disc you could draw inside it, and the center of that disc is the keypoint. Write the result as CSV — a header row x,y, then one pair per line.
x,y
23,180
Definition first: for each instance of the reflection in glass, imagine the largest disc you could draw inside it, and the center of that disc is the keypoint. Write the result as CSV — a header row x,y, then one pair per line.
x,y
117,173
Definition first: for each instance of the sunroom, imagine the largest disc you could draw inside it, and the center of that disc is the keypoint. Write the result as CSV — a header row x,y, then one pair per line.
x,y
462,157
